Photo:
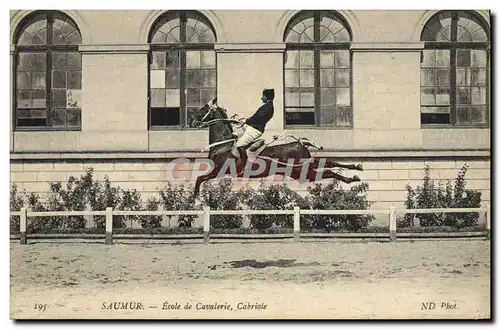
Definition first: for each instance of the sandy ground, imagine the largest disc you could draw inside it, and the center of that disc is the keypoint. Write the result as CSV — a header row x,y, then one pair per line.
x,y
328,280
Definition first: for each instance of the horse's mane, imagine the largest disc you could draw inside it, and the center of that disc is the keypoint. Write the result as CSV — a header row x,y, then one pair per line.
x,y
222,112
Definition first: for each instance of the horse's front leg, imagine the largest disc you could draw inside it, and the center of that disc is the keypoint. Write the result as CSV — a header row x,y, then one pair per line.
x,y
197,185
316,175
333,164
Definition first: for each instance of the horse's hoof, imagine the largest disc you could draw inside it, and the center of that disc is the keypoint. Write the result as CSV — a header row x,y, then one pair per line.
x,y
356,179
359,167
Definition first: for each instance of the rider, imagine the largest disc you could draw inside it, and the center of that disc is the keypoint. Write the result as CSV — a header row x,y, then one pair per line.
x,y
256,124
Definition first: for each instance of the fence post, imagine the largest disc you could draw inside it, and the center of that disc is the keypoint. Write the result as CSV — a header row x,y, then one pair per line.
x,y
109,225
23,219
296,224
206,224
392,223
488,221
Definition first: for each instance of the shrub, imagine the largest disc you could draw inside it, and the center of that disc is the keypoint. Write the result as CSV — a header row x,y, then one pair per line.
x,y
220,196
276,197
150,222
333,196
430,195
178,198
16,203
130,200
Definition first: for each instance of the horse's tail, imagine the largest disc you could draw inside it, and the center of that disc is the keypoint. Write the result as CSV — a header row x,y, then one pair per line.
x,y
308,143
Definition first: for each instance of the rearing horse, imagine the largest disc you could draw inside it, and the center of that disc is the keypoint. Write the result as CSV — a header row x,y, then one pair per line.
x,y
221,139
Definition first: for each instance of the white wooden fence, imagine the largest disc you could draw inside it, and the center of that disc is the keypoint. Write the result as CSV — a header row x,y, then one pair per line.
x,y
296,212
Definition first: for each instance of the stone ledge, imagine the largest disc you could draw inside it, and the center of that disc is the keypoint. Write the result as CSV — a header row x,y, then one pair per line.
x,y
107,49
377,154
387,46
250,47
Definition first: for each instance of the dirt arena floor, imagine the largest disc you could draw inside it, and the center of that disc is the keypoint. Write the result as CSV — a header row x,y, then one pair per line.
x,y
321,280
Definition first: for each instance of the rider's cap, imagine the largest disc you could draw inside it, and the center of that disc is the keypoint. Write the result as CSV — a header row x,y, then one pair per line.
x,y
268,93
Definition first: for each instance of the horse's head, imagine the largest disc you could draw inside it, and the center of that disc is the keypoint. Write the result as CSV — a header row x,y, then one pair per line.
x,y
209,111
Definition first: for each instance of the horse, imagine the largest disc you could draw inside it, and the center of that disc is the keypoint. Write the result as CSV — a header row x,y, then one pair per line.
x,y
222,137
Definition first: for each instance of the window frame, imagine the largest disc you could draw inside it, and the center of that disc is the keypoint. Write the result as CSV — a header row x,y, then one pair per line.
x,y
452,46
317,46
48,48
182,47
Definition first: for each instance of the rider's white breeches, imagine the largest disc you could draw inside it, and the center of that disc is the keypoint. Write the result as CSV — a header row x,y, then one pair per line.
x,y
249,136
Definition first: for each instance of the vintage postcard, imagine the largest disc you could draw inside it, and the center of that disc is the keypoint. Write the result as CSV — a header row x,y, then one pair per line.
x,y
250,164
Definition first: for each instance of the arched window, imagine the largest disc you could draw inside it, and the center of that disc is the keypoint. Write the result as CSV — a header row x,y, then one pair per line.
x,y
182,67
48,70
318,70
455,70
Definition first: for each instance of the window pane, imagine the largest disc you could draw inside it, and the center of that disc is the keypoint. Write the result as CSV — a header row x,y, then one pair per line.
x,y
193,60
74,99
443,96
207,95
478,77
59,60
292,78
38,62
343,96
58,98
172,59
208,59
307,35
463,95
328,96
172,77
31,122
194,78
478,95
428,77
208,78
427,96
435,109
327,78
25,60
306,98
193,97
172,98
327,115
463,77
157,97
463,58
31,114
158,60
58,79
173,117
327,59
39,98
443,77
38,80
157,78
74,117
306,59
341,36
344,117
443,58
23,99
342,58
478,58
74,79
428,58
463,115
158,117
433,118
294,117
342,77
292,98
292,59
478,115
58,117
74,61
23,80
307,78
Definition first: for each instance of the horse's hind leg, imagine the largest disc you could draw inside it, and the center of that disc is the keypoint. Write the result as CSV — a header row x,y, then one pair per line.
x,y
333,164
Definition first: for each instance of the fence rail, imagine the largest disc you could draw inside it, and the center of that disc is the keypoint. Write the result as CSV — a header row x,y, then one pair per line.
x,y
296,212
